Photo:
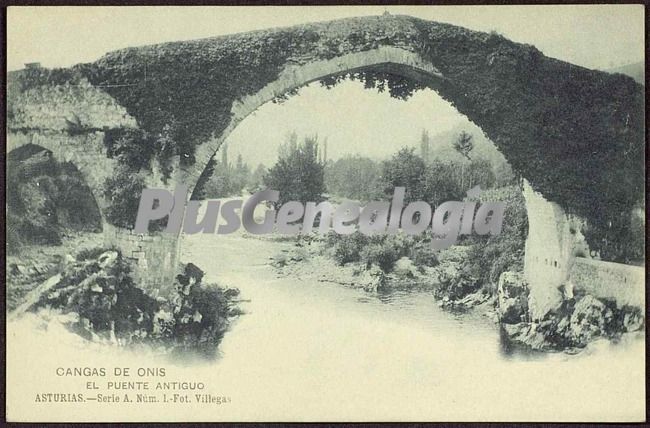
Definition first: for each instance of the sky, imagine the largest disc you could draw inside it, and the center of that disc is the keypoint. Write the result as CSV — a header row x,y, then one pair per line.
x,y
354,120
594,36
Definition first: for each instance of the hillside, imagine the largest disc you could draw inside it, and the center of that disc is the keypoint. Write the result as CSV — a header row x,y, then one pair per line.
x,y
635,70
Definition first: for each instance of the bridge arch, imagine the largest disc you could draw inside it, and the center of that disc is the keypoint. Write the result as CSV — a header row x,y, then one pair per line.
x,y
576,135
81,151
399,61
553,257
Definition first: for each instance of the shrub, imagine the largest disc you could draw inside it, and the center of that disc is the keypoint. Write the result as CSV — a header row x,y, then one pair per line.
x,y
382,255
385,250
99,287
423,255
347,248
201,312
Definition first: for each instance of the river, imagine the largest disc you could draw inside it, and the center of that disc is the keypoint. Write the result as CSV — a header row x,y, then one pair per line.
x,y
307,350
316,349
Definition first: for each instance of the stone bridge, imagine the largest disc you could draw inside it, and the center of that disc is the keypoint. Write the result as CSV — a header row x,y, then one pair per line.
x,y
576,135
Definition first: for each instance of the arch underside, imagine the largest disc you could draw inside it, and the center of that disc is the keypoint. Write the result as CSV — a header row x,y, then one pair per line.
x,y
75,202
83,152
390,60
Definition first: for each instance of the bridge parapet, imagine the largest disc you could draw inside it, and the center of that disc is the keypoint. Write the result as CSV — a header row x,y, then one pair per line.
x,y
625,284
75,107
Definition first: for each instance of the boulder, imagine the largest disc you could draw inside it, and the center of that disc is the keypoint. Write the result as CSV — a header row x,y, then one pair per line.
x,y
512,298
405,269
589,320
632,319
372,279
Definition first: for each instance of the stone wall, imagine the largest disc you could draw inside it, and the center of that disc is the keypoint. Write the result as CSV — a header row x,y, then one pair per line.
x,y
624,284
70,121
66,107
154,257
558,261
553,240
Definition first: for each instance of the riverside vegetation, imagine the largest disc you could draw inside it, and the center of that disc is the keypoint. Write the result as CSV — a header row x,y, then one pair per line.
x,y
94,293
481,272
97,297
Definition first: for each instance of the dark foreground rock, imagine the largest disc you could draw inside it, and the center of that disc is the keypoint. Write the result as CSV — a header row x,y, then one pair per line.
x,y
103,303
576,322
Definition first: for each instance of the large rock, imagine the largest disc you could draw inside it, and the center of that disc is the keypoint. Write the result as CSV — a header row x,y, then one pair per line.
x,y
372,279
512,298
405,269
589,320
633,319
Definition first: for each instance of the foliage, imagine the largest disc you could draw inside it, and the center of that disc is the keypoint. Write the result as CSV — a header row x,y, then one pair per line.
x,y
381,250
31,78
422,254
90,253
525,102
201,312
347,248
398,86
383,256
136,148
405,169
99,287
435,182
521,100
354,177
464,144
201,189
227,67
256,182
222,179
385,250
123,191
491,255
455,282
298,175
46,199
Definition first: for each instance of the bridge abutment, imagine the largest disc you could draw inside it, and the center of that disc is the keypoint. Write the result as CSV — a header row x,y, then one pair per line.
x,y
154,257
558,261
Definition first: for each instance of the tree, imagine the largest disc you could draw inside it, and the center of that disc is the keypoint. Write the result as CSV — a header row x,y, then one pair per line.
x,y
240,176
405,169
354,177
440,184
464,144
425,146
297,175
491,255
480,173
256,180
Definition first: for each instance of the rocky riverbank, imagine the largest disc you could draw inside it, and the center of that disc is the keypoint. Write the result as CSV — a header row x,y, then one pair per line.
x,y
36,263
578,321
95,296
311,258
